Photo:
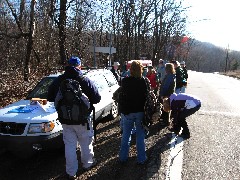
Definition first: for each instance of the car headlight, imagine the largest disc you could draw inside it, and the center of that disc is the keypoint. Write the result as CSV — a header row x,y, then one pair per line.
x,y
41,127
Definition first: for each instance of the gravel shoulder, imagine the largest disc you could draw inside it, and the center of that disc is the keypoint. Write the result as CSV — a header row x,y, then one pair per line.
x,y
51,165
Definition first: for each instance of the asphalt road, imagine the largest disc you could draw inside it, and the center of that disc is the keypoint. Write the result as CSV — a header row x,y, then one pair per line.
x,y
213,151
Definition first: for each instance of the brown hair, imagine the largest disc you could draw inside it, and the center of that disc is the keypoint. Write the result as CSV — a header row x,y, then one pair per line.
x,y
169,68
136,69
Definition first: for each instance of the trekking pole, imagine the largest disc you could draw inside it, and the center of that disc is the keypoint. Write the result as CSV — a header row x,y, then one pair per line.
x,y
94,123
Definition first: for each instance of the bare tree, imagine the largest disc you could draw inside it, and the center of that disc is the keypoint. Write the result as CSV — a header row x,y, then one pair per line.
x,y
30,41
62,31
28,34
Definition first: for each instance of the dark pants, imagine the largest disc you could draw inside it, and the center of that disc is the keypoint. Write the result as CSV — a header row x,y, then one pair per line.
x,y
164,116
181,121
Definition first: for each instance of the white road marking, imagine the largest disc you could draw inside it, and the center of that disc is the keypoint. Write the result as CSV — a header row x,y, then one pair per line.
x,y
175,159
220,113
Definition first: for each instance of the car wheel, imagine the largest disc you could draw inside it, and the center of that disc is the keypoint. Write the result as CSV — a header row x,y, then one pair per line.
x,y
114,110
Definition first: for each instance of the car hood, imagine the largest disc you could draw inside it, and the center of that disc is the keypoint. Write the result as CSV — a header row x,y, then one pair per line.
x,y
23,112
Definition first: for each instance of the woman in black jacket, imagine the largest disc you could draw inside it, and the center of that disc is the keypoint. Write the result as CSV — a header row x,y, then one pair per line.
x,y
134,90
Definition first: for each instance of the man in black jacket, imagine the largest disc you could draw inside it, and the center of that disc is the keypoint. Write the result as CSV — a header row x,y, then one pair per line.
x,y
180,77
82,133
183,66
115,71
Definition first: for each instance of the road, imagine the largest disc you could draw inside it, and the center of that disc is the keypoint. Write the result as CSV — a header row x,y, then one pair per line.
x,y
213,151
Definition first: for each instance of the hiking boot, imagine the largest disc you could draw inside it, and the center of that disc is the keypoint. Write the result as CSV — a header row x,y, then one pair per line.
x,y
174,130
143,163
72,177
122,162
185,136
90,167
163,123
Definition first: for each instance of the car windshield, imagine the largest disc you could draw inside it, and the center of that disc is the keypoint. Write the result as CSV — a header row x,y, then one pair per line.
x,y
41,90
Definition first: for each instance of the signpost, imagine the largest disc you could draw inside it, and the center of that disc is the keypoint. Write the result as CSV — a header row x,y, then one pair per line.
x,y
108,50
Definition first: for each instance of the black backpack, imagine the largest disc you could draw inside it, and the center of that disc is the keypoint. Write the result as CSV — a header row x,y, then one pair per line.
x,y
149,107
72,106
183,77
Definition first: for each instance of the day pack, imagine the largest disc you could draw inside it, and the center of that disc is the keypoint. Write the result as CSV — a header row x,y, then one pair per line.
x,y
71,104
183,77
118,96
149,107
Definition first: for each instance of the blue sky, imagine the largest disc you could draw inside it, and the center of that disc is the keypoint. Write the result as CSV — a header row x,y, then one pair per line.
x,y
215,21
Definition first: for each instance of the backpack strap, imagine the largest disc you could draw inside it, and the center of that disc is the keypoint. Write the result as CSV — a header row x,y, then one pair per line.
x,y
147,82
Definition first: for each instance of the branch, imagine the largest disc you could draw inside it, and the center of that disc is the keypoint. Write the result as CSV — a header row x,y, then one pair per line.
x,y
15,16
14,36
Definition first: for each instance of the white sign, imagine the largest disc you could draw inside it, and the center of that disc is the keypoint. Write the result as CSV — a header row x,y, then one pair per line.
x,y
103,49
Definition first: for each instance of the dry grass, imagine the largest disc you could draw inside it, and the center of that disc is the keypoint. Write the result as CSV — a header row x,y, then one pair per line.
x,y
235,74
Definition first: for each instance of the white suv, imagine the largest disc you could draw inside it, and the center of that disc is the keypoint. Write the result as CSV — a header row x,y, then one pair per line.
x,y
26,128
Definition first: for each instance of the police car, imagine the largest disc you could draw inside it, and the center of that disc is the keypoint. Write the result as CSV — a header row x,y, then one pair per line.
x,y
30,125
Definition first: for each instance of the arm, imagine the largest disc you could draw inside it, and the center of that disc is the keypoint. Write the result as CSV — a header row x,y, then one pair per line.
x,y
91,91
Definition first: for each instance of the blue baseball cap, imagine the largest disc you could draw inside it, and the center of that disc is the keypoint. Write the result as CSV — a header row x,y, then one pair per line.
x,y
74,61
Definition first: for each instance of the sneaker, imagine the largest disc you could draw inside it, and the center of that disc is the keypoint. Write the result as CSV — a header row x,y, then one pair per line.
x,y
162,123
90,167
72,177
185,136
122,162
143,162
173,130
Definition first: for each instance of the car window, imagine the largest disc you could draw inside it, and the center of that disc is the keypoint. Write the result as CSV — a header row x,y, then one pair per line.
x,y
110,78
41,89
99,81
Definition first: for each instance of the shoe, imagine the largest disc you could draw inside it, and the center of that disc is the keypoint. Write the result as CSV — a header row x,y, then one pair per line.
x,y
122,162
143,162
162,123
72,177
90,167
185,136
173,130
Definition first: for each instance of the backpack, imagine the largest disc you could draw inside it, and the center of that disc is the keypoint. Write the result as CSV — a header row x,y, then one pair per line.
x,y
72,105
149,107
118,97
183,77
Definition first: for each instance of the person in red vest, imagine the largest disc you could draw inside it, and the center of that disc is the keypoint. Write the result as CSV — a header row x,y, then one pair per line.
x,y
152,76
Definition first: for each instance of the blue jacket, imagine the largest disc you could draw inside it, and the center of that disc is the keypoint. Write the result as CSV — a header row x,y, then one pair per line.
x,y
88,87
168,85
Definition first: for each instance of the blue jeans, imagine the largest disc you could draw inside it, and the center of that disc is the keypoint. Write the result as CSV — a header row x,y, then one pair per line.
x,y
128,123
180,90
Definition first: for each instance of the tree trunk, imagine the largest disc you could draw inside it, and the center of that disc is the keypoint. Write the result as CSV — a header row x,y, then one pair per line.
x,y
30,42
62,32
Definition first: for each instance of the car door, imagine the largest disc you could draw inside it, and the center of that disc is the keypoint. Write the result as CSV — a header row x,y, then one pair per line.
x,y
113,86
104,106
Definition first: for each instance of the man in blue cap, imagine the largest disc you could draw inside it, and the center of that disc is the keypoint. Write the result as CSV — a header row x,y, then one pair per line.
x,y
77,133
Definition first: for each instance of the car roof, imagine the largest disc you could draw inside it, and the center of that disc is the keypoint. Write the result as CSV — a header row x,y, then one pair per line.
x,y
84,71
